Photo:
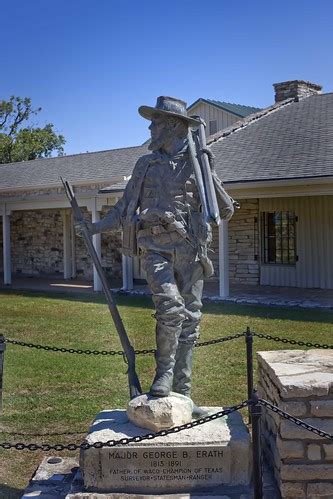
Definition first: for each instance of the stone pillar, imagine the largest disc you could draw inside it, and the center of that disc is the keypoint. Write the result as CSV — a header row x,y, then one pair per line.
x,y
223,259
7,266
300,383
127,263
97,245
66,218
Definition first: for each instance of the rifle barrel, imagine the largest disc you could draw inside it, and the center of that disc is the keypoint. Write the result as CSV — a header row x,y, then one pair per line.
x,y
134,383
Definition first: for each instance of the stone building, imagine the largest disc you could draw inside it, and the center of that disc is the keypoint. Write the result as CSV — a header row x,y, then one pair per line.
x,y
278,162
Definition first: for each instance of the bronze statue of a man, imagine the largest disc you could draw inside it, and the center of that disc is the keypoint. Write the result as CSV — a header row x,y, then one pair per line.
x,y
161,217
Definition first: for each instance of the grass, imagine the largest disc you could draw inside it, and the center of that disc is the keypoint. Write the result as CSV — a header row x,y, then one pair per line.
x,y
52,397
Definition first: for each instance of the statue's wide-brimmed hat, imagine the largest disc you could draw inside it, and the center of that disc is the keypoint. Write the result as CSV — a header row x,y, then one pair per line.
x,y
168,106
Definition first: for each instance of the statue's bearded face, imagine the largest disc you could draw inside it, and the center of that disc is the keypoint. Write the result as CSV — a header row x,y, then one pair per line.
x,y
158,132
164,130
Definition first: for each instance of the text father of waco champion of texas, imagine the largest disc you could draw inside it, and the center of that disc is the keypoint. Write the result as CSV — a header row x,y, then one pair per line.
x,y
161,216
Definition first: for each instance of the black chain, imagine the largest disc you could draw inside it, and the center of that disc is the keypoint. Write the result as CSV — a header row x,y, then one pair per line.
x,y
220,340
63,350
126,441
108,352
294,420
145,351
292,342
153,350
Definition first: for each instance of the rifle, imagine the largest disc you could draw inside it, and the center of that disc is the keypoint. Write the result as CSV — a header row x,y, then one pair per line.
x,y
203,173
129,353
207,176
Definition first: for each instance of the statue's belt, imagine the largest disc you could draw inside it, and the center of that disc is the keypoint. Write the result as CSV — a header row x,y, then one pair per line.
x,y
156,230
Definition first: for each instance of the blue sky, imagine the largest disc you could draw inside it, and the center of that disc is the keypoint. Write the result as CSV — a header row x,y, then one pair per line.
x,y
90,64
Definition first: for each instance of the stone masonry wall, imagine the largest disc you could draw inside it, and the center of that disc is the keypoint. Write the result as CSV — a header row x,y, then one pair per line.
x,y
243,244
301,384
111,253
295,89
36,242
37,246
111,250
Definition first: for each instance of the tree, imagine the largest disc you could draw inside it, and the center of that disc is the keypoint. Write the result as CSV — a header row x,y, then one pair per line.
x,y
21,141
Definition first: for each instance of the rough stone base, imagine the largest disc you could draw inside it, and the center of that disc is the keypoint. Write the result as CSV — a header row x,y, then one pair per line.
x,y
160,413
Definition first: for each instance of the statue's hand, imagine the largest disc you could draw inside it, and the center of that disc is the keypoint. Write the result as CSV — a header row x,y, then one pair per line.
x,y
210,155
80,224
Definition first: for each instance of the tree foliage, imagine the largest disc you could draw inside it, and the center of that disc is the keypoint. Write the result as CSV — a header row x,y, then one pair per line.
x,y
21,140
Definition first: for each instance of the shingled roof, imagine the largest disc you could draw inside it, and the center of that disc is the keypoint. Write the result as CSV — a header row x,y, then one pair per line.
x,y
290,140
92,167
236,109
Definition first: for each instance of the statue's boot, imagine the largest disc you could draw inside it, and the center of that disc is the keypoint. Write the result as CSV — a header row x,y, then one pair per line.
x,y
182,375
166,342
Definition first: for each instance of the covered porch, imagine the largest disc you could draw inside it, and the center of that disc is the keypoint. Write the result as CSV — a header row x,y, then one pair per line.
x,y
239,293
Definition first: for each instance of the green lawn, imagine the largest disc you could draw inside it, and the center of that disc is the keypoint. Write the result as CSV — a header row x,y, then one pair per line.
x,y
52,397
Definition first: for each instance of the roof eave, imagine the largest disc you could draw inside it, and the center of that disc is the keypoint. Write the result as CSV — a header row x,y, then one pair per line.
x,y
214,105
74,183
245,184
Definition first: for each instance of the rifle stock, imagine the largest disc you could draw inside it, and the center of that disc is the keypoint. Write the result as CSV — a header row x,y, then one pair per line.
x,y
133,380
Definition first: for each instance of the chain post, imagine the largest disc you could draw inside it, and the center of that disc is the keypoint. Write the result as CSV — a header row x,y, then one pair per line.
x,y
2,358
249,365
256,412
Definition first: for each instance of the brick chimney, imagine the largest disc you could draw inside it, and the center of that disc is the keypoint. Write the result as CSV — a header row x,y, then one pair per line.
x,y
295,89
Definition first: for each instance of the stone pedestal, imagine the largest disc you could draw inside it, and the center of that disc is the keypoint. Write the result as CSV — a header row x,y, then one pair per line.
x,y
300,383
215,456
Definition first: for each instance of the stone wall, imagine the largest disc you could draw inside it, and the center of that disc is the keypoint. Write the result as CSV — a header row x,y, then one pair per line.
x,y
36,242
243,244
111,253
300,383
111,250
37,246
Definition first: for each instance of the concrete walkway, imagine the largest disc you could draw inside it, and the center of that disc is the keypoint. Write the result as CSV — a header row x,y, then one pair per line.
x,y
263,295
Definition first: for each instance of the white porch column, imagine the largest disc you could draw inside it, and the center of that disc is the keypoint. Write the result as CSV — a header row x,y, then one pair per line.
x,y
73,248
7,264
97,245
223,259
127,262
67,246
